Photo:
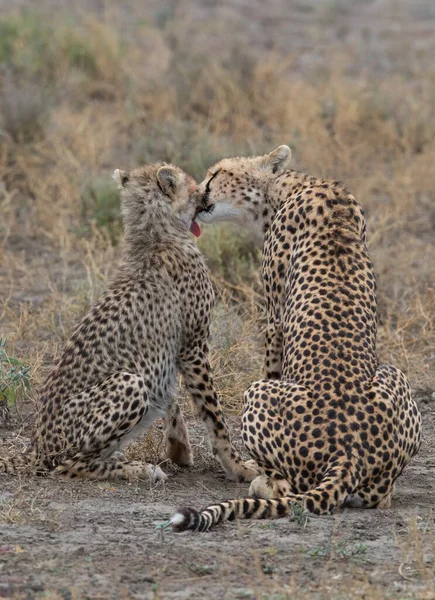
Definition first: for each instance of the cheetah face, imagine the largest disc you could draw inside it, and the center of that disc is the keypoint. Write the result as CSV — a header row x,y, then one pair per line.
x,y
182,191
164,189
236,187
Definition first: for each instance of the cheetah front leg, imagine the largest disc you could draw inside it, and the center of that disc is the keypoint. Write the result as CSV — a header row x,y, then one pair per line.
x,y
274,295
273,346
178,447
198,378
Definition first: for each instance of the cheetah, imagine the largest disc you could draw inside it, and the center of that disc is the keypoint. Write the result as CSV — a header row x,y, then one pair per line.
x,y
328,425
118,372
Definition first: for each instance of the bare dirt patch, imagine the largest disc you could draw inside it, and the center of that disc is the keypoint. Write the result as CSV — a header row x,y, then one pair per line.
x,y
64,539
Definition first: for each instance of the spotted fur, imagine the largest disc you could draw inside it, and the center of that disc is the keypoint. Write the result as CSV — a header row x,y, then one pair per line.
x,y
328,425
118,371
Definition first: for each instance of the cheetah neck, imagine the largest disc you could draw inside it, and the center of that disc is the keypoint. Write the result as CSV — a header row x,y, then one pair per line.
x,y
159,235
277,192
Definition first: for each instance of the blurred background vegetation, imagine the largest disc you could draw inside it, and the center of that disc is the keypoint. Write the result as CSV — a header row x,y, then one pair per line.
x,y
84,89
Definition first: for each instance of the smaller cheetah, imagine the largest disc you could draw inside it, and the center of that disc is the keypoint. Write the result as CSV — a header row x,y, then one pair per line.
x,y
328,425
118,372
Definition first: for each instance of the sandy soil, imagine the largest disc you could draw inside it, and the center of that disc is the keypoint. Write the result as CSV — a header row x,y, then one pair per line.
x,y
98,540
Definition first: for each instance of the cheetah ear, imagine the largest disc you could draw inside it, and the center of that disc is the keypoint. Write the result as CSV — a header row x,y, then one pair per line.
x,y
121,177
167,178
277,160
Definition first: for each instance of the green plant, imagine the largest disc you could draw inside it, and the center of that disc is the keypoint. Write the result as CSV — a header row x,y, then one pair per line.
x,y
202,570
14,377
8,35
243,593
28,46
341,549
233,254
78,52
164,15
32,46
100,204
300,515
24,109
184,142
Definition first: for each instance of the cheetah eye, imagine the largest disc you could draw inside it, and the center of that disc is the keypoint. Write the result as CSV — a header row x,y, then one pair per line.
x,y
212,176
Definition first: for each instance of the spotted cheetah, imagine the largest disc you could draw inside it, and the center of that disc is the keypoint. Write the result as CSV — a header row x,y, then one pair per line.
x,y
118,372
328,425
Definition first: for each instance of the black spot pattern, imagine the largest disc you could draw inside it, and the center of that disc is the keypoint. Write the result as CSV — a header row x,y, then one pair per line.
x,y
119,368
328,424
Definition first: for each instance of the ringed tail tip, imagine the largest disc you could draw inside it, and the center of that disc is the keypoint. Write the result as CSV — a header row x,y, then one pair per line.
x,y
185,519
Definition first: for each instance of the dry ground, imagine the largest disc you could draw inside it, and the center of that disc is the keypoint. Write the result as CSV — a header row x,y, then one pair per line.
x,y
86,88
98,540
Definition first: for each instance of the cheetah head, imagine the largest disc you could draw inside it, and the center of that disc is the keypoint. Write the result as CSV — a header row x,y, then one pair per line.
x,y
159,193
237,187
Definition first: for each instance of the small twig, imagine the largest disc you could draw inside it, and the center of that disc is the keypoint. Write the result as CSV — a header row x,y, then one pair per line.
x,y
213,494
402,573
34,499
192,578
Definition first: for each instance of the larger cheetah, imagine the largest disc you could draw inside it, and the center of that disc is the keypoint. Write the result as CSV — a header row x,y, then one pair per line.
x,y
118,372
329,424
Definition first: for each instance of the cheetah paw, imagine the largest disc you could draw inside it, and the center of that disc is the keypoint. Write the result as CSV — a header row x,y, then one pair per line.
x,y
260,488
385,503
247,471
156,474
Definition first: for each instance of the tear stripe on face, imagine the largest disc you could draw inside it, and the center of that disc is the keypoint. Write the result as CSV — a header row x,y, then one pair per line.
x,y
207,186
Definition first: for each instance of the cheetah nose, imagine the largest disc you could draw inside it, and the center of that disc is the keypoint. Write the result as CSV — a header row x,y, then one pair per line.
x,y
204,214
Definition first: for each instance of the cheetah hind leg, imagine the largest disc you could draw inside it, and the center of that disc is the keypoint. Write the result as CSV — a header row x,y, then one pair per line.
x,y
115,467
114,409
386,501
369,497
178,447
272,367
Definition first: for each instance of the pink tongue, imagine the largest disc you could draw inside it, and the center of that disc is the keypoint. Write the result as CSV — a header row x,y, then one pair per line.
x,y
195,229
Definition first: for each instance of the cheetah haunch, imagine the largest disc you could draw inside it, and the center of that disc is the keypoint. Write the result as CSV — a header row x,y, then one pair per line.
x,y
118,372
329,425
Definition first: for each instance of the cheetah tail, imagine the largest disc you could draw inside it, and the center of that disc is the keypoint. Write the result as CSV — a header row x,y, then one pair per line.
x,y
190,519
331,492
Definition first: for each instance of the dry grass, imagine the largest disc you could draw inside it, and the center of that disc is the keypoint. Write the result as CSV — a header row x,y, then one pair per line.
x,y
84,93
109,108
